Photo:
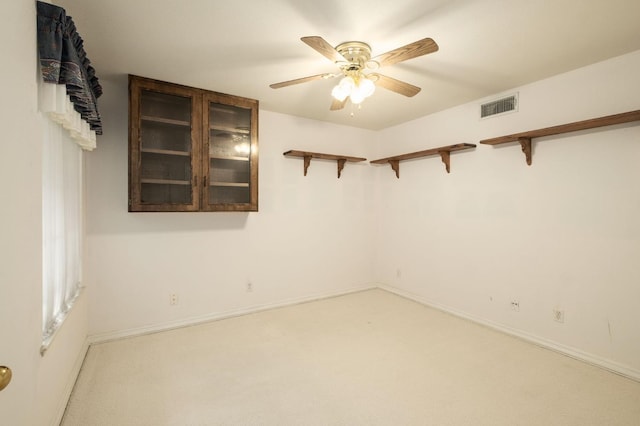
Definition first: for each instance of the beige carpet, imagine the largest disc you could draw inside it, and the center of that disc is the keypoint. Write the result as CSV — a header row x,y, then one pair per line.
x,y
369,358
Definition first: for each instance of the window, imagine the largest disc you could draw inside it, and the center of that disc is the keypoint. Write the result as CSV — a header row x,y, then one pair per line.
x,y
67,97
62,228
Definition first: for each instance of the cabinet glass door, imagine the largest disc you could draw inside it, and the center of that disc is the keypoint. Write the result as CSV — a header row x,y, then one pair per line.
x,y
166,149
191,149
230,157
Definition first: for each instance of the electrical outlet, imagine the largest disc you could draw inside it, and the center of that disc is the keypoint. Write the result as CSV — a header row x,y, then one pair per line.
x,y
558,315
249,286
173,299
515,305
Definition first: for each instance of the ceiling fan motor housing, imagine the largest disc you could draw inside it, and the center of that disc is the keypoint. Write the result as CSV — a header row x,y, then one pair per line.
x,y
358,55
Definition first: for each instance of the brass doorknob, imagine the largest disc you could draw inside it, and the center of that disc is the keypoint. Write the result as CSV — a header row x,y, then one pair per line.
x,y
5,376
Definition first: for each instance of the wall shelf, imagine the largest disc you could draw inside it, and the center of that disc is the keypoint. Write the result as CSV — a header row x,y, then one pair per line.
x,y
443,151
525,137
307,156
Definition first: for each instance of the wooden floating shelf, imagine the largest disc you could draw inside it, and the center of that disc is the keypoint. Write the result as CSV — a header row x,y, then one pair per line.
x,y
307,156
443,151
525,137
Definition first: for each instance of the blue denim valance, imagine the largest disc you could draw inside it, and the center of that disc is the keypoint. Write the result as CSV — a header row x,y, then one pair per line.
x,y
64,61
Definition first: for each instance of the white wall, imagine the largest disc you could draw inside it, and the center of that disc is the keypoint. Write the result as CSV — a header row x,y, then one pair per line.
x,y
560,234
20,274
310,238
40,385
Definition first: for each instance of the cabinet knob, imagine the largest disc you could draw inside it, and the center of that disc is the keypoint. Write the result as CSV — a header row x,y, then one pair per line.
x,y
5,377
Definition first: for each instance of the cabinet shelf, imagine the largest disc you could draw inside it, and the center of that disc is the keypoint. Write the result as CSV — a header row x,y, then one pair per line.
x,y
443,151
165,121
166,181
230,158
229,129
166,152
525,137
307,156
231,184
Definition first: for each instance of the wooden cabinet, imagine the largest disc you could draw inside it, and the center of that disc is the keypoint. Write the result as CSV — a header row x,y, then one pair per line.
x,y
191,149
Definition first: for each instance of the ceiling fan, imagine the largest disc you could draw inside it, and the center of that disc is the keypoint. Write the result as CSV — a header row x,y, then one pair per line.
x,y
354,58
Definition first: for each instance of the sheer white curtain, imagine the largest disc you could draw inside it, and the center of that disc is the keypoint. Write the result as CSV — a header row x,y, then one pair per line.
x,y
64,137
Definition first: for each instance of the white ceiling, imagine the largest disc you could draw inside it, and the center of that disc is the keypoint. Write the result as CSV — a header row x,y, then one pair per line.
x,y
241,46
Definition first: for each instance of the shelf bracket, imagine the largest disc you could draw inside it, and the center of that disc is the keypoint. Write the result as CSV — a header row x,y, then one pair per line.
x,y
446,159
395,165
525,143
307,161
341,162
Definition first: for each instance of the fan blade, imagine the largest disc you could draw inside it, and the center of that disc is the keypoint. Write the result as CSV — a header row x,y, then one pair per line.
x,y
410,51
336,104
301,80
394,85
324,48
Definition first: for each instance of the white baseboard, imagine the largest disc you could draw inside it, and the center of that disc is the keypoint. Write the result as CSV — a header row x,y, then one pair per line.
x,y
609,365
139,331
71,382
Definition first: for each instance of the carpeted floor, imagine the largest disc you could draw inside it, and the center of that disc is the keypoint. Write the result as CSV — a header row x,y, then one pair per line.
x,y
368,358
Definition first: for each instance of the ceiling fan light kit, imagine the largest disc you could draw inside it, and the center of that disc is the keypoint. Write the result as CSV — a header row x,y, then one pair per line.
x,y
356,88
353,58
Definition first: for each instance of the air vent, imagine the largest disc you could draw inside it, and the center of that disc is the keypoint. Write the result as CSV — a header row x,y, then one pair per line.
x,y
500,106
